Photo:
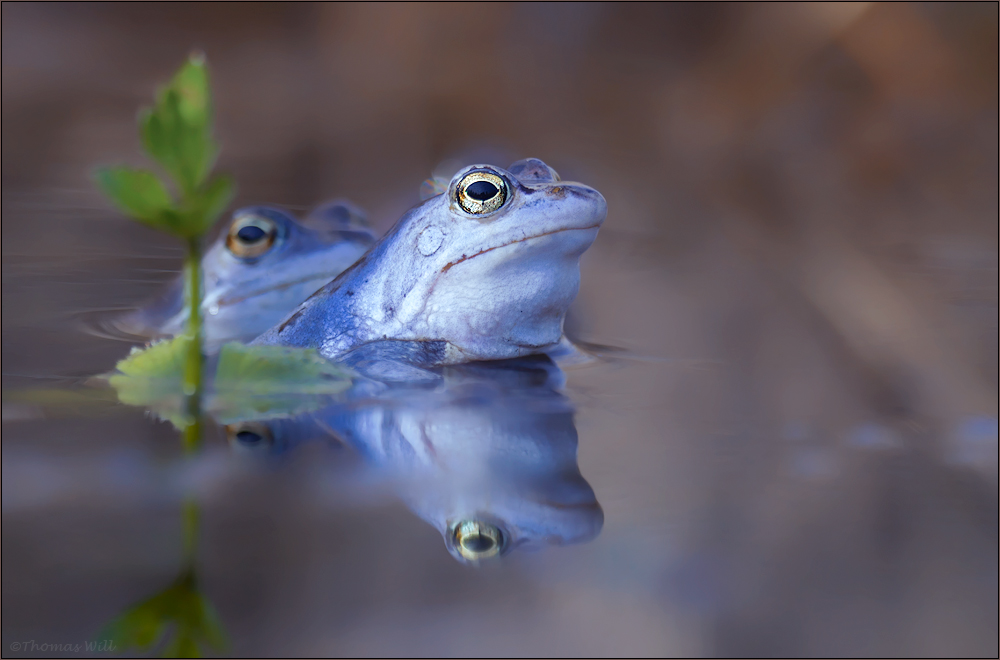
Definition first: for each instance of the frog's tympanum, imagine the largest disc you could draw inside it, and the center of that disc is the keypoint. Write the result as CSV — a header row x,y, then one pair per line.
x,y
488,457
263,264
483,271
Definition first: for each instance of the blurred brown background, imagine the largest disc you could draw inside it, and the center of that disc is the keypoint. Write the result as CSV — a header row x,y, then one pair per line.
x,y
802,230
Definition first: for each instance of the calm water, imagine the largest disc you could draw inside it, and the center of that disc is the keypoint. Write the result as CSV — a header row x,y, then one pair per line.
x,y
793,450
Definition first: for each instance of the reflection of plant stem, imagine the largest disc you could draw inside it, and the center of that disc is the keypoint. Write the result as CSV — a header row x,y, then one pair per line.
x,y
191,519
192,382
192,432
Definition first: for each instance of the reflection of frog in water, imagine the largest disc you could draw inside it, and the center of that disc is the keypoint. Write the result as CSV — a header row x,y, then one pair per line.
x,y
484,271
489,458
263,265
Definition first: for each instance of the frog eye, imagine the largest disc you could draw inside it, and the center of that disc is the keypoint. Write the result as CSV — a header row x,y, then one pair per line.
x,y
481,192
249,437
475,540
251,236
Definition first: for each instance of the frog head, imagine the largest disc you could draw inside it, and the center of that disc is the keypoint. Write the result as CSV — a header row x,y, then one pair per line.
x,y
263,263
490,266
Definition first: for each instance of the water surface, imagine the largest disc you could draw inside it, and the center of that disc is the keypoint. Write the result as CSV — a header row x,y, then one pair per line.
x,y
794,451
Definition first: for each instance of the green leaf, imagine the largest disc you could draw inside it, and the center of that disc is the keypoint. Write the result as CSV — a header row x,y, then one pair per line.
x,y
211,626
186,151
250,383
191,84
209,204
180,612
142,625
268,369
139,193
182,646
151,378
264,382
139,627
176,131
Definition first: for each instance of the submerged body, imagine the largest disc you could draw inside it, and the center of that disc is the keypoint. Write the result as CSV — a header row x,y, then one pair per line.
x,y
483,271
264,264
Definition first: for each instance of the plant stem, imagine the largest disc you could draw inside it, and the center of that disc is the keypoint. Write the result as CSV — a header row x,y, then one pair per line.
x,y
193,387
194,361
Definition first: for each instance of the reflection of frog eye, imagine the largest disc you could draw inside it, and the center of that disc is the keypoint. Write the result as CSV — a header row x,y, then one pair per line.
x,y
481,192
251,236
476,540
249,436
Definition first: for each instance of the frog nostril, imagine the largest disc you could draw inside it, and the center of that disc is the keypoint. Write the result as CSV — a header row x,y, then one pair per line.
x,y
532,170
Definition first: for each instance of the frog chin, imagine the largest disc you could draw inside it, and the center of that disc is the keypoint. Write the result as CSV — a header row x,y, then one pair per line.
x,y
509,301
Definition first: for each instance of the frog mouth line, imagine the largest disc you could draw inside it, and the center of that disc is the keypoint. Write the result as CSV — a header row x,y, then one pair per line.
x,y
450,264
326,277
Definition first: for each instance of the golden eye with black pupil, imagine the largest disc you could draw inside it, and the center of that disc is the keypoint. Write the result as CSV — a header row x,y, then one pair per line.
x,y
251,236
476,540
481,192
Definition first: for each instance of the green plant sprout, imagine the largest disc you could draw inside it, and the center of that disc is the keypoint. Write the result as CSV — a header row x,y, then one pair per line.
x,y
169,377
177,133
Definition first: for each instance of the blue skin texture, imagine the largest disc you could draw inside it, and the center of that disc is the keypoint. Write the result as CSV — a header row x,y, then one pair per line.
x,y
446,286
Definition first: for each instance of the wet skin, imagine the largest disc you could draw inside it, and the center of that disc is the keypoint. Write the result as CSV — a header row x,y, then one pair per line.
x,y
263,264
464,276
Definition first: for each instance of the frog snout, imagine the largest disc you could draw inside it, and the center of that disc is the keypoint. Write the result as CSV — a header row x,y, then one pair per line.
x,y
594,206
